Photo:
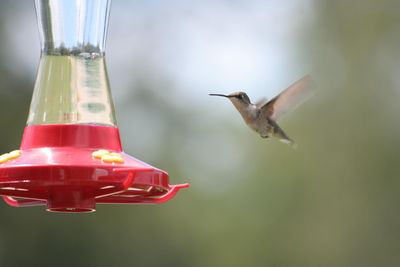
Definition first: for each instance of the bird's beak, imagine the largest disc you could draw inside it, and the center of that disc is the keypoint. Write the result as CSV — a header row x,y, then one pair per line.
x,y
219,95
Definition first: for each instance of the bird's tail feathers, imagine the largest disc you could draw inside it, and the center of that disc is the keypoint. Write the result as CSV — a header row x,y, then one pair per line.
x,y
282,136
290,142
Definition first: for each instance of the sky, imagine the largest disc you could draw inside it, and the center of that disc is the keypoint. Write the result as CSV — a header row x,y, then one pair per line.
x,y
200,46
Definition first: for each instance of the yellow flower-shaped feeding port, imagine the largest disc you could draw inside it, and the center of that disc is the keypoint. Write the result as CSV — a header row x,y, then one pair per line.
x,y
100,153
9,156
107,156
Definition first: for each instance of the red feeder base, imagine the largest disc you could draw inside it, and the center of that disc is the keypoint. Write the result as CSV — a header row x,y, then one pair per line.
x,y
56,168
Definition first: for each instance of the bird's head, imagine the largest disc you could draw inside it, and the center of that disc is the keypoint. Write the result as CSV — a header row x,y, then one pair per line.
x,y
242,103
239,99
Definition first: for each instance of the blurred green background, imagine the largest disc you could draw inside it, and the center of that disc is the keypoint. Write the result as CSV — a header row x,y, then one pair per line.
x,y
252,202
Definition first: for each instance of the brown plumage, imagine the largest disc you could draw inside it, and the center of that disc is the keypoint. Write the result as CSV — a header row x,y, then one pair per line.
x,y
262,116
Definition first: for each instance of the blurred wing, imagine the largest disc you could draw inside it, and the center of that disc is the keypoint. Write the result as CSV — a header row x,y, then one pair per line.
x,y
290,98
261,102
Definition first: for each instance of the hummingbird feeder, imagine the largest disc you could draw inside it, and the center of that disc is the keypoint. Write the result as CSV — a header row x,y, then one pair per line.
x,y
71,156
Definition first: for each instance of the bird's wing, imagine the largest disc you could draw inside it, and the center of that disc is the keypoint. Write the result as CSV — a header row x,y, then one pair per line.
x,y
261,102
289,99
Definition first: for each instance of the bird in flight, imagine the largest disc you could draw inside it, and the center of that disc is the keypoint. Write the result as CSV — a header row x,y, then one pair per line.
x,y
262,115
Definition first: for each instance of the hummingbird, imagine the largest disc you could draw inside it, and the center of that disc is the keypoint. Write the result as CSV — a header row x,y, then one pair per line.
x,y
262,115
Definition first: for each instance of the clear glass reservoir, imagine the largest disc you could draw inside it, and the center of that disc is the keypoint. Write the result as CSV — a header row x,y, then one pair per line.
x,y
72,84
